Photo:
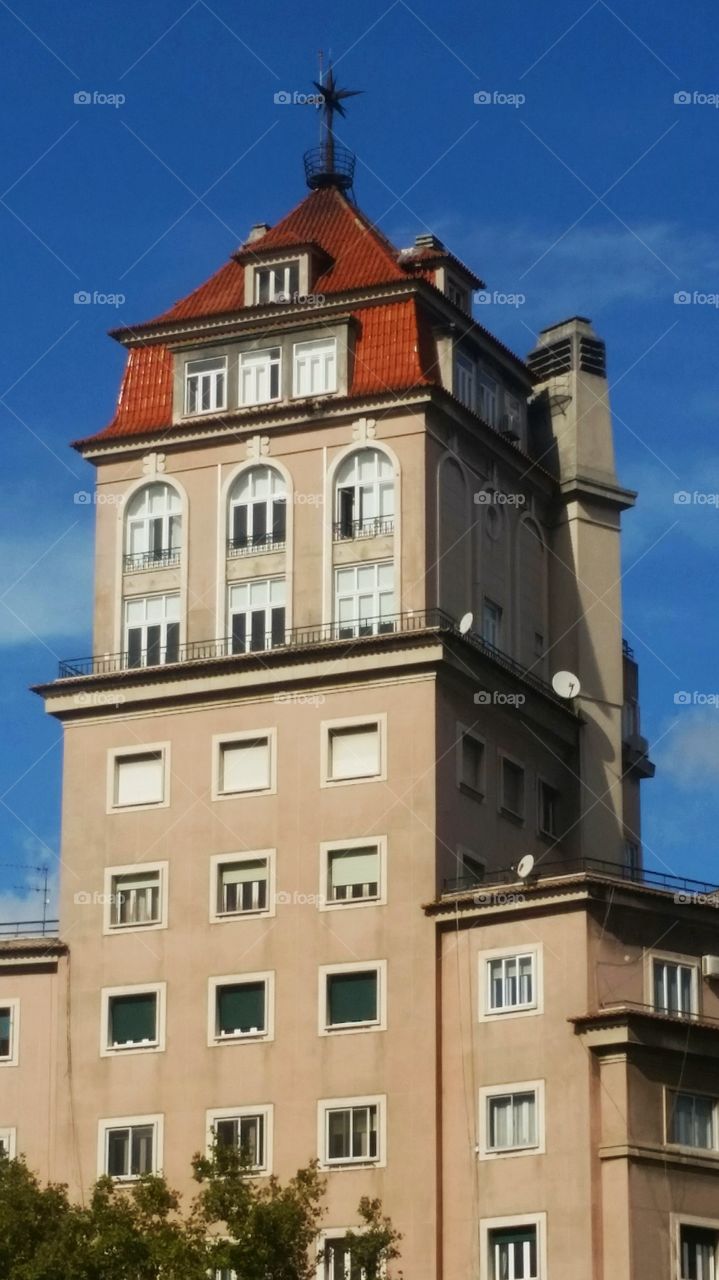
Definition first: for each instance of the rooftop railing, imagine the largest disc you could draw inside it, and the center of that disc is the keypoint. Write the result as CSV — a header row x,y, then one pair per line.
x,y
684,889
29,928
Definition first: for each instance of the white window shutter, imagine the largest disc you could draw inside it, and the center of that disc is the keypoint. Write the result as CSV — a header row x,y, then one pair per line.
x,y
139,780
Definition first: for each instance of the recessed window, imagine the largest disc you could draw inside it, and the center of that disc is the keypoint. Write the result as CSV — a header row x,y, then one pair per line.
x,y
692,1120
260,376
511,1119
257,512
136,897
130,1148
280,283
547,805
153,528
9,1032
245,1129
674,988
364,495
513,418
471,869
354,752
133,1019
240,1008
698,1252
457,294
364,599
205,385
492,623
352,997
352,1131
465,380
245,765
489,399
513,1253
315,367
7,1142
337,1261
471,762
152,630
352,875
633,859
241,886
511,982
138,778
512,788
257,615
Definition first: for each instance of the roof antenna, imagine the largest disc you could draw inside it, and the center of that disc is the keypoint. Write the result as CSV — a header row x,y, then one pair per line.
x,y
330,164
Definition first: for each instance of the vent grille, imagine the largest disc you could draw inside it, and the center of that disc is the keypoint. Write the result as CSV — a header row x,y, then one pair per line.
x,y
592,357
547,362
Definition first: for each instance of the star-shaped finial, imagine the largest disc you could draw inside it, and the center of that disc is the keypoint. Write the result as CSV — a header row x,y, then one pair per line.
x,y
333,96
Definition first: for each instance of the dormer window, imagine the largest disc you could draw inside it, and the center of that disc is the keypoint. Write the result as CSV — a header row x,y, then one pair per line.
x,y
206,385
465,374
457,293
489,399
280,283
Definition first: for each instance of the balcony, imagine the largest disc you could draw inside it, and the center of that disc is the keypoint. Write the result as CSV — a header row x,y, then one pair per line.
x,y
254,546
349,530
17,929
165,558
684,889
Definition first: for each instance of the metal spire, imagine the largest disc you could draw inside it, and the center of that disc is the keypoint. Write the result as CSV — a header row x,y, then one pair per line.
x,y
331,164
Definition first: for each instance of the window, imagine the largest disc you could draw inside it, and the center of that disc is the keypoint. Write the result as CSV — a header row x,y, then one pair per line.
x,y
471,762
9,1032
674,988
511,1119
488,399
153,528
152,630
513,1254
354,750
457,294
205,384
511,982
240,1008
364,599
257,615
471,869
249,1129
352,874
315,367
547,803
352,997
260,376
492,624
364,495
133,1019
138,778
633,859
337,1263
129,1148
698,1252
245,764
241,886
7,1143
351,1131
465,373
280,283
512,421
692,1120
257,512
512,784
136,896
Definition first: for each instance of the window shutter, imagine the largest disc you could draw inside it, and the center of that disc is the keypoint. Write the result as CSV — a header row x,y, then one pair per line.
x,y
241,1008
259,523
118,1150
156,536
352,997
133,1019
279,520
5,1028
246,766
239,525
258,623
346,512
154,638
355,752
239,633
278,627
354,866
172,646
134,647
140,779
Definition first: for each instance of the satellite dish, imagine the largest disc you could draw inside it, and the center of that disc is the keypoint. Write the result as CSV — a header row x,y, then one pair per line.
x,y
565,684
465,623
525,866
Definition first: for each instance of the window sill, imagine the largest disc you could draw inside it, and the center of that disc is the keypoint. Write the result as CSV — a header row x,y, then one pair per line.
x,y
471,792
516,818
252,1037
353,1028
222,917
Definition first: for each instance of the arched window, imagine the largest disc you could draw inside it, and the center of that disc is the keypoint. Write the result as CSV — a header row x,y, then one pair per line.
x,y
153,528
257,512
364,495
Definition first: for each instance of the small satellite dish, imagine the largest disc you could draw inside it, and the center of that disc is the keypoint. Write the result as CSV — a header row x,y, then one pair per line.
x,y
465,623
525,866
565,684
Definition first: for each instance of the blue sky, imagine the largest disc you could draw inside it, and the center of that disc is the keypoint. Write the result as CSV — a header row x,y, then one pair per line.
x,y
596,195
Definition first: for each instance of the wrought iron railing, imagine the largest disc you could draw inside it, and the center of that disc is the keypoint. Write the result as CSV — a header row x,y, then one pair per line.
x,y
683,887
254,546
351,529
29,928
163,559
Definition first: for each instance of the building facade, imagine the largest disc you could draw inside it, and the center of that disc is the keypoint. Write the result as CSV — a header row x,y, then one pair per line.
x,y
344,542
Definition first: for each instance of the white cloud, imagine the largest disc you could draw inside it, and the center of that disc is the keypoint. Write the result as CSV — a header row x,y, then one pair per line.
x,y
688,756
45,584
22,897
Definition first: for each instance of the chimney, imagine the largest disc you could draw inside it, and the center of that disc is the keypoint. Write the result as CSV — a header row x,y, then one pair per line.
x,y
428,241
259,230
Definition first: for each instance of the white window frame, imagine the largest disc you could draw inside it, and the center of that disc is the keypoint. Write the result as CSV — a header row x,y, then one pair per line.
x,y
503,807
373,493
488,1092
8,1139
324,1105
382,623
264,1109
138,869
679,1220
159,990
252,359
276,269
489,397
543,785
694,1093
214,1039
327,727
216,406
352,1028
330,346
466,380
486,1012
116,754
673,957
464,731
142,522
489,1225
327,1236
221,740
219,860
128,1122
13,1004
327,848
168,598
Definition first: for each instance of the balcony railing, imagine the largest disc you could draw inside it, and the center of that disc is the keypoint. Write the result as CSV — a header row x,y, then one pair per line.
x,y
163,559
29,928
347,531
254,546
685,890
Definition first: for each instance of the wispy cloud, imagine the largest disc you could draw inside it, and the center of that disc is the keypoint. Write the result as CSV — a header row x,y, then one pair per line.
x,y
45,590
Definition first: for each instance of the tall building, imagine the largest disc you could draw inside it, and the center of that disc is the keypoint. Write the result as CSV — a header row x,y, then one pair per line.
x,y
345,540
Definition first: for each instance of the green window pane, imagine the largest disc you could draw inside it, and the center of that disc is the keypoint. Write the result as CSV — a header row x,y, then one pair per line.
x,y
133,1019
5,1024
352,997
241,1008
